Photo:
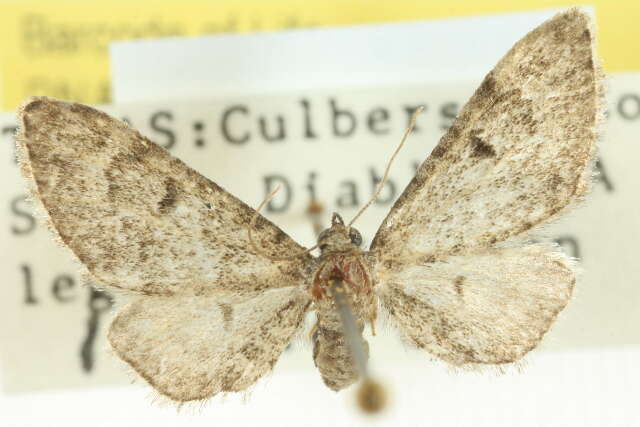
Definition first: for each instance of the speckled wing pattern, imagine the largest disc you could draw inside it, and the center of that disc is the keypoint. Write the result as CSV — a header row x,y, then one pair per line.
x,y
450,255
192,348
206,312
139,219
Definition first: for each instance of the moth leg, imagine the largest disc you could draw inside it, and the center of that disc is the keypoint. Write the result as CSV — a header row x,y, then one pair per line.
x,y
314,212
313,333
374,316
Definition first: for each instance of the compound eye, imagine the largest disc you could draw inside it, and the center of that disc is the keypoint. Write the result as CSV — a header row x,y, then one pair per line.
x,y
323,235
355,236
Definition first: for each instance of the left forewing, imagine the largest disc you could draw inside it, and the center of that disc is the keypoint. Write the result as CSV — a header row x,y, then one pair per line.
x,y
191,348
489,308
139,219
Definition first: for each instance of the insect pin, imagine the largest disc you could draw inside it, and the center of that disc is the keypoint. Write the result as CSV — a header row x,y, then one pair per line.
x,y
207,307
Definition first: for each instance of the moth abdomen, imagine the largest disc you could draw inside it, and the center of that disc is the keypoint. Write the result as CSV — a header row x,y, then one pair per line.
x,y
331,352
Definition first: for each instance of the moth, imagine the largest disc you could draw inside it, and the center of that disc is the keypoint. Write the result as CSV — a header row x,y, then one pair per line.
x,y
206,308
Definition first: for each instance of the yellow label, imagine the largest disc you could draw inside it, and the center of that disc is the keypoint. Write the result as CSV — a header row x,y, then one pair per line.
x,y
60,48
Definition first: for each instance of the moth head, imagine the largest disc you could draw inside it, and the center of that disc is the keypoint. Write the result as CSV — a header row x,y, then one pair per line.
x,y
339,237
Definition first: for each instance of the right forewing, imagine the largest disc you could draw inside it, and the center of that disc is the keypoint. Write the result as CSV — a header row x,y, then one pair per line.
x,y
491,307
139,219
191,348
519,152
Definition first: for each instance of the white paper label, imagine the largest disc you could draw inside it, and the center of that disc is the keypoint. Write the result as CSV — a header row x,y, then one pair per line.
x,y
362,56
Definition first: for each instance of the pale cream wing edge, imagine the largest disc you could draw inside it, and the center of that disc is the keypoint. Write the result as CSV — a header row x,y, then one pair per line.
x,y
139,219
518,154
491,307
192,348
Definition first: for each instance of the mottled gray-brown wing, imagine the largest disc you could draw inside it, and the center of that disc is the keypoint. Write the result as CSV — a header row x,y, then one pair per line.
x,y
518,153
191,348
139,219
491,307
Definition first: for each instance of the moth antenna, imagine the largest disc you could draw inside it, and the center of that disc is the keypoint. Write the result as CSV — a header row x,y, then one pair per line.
x,y
407,132
252,225
371,394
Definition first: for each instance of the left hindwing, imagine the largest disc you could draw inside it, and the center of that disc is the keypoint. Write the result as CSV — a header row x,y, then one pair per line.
x,y
491,307
191,348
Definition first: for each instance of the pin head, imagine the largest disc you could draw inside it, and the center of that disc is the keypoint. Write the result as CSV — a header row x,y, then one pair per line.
x,y
339,237
372,397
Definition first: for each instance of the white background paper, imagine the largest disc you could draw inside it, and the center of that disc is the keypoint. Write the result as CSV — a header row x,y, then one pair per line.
x,y
586,373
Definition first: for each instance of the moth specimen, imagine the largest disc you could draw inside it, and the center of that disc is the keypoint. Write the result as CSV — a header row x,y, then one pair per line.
x,y
204,311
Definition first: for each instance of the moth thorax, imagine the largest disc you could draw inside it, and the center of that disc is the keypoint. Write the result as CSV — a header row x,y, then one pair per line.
x,y
350,268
